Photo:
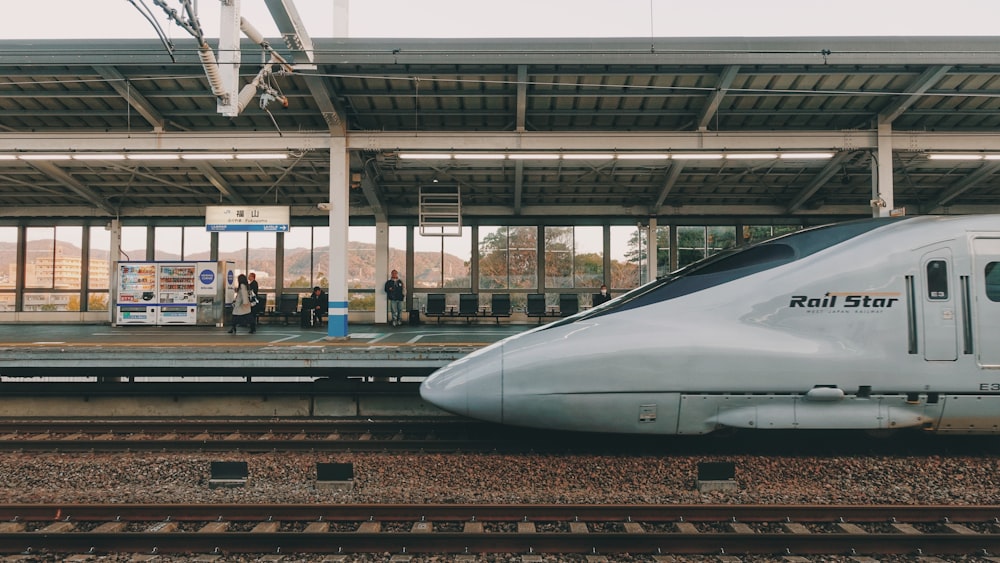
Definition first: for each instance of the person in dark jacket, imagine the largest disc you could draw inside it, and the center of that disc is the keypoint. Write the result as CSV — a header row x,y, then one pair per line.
x,y
318,307
602,297
394,290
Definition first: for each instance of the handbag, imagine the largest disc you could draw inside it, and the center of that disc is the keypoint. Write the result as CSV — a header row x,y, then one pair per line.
x,y
253,299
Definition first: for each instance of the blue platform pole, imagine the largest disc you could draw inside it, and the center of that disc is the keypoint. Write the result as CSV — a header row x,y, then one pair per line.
x,y
339,221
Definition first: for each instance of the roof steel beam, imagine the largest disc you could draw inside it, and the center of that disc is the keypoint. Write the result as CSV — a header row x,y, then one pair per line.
x,y
912,93
522,98
712,104
913,141
293,31
374,197
518,185
668,186
60,175
970,181
219,182
818,181
135,99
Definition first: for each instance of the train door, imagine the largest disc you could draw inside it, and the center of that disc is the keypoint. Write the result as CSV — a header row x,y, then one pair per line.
x,y
986,283
940,327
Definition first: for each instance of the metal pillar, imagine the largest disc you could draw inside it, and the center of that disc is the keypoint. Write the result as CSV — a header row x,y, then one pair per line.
x,y
382,269
882,188
339,202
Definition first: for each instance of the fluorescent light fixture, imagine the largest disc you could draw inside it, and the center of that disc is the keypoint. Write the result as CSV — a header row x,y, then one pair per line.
x,y
805,155
262,156
480,156
587,156
533,156
751,155
426,155
98,156
206,156
643,156
8,157
696,156
991,157
153,156
955,156
43,156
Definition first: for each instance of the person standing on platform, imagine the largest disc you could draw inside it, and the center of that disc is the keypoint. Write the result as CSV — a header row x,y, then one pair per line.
x,y
394,290
252,283
602,297
241,306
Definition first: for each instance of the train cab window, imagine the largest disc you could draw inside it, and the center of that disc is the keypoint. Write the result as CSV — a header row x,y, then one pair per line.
x,y
992,272
937,280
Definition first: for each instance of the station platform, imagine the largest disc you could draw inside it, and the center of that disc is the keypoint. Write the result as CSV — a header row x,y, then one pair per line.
x,y
75,351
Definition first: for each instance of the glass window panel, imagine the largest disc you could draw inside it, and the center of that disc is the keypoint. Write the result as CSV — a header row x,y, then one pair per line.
x,y
261,252
133,246
588,258
523,257
721,238
427,263
628,248
397,252
360,260
68,266
168,243
492,248
690,245
197,244
558,257
992,275
7,302
97,302
321,257
39,258
233,247
8,259
36,302
937,280
298,255
456,259
97,268
663,251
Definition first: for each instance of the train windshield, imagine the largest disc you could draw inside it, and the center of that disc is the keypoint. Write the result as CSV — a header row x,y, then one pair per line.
x,y
730,265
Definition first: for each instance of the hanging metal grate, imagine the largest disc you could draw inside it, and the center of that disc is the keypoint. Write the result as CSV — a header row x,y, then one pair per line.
x,y
441,211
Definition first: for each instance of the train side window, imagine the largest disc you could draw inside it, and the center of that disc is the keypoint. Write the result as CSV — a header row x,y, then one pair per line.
x,y
992,272
937,280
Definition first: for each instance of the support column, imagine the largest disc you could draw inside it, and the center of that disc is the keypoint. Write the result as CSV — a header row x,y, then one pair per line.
x,y
651,250
339,219
882,187
382,269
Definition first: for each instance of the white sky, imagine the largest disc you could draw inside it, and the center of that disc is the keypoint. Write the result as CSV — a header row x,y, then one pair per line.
x,y
72,19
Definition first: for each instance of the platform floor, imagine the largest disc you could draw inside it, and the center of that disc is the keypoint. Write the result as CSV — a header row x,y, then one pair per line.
x,y
60,350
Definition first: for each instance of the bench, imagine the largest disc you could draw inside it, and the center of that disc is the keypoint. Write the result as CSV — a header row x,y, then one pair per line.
x,y
499,306
537,308
436,306
569,304
288,306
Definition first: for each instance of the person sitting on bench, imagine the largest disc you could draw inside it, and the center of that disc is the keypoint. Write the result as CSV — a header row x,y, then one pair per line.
x,y
315,307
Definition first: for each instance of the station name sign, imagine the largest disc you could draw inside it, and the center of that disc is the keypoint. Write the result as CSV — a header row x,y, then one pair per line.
x,y
242,218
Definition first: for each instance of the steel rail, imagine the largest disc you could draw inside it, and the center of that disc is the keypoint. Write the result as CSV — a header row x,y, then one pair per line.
x,y
317,538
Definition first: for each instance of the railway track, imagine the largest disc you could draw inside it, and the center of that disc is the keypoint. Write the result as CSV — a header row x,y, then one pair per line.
x,y
212,435
439,434
518,529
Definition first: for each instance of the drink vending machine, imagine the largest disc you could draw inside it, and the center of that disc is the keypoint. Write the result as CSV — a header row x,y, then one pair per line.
x,y
172,293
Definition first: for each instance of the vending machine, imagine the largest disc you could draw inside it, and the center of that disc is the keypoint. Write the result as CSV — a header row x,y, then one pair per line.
x,y
172,293
135,302
178,304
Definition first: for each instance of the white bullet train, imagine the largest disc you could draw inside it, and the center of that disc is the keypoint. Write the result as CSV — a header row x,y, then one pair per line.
x,y
876,324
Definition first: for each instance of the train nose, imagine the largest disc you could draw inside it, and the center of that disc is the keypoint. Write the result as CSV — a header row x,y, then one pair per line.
x,y
471,386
